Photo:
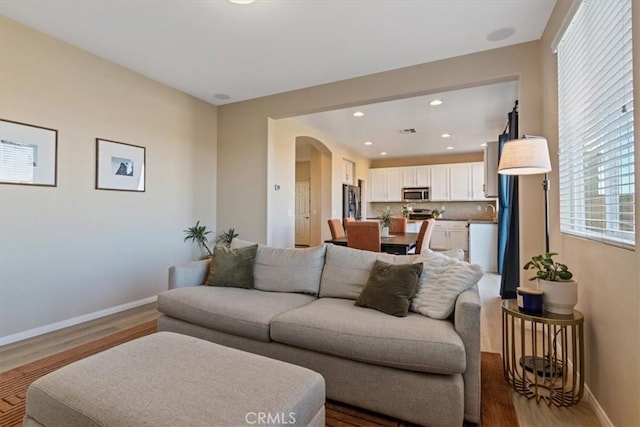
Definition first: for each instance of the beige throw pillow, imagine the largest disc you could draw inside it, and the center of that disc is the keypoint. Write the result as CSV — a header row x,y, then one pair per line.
x,y
442,280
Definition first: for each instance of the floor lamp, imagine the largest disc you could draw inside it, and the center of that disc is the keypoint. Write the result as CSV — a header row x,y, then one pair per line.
x,y
530,156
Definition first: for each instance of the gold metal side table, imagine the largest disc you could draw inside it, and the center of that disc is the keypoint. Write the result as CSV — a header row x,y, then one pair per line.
x,y
543,354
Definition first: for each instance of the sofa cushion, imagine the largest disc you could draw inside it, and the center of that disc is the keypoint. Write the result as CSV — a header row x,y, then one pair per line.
x,y
289,270
242,312
442,280
233,267
390,288
337,327
346,270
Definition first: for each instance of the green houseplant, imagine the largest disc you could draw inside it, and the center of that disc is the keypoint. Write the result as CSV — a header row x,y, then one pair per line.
x,y
385,220
547,268
198,234
226,237
560,291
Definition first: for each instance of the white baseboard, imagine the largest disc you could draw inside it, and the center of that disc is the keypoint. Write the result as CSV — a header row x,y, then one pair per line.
x,y
591,400
8,339
597,409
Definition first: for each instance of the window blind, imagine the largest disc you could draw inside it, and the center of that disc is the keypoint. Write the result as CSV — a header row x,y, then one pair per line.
x,y
595,115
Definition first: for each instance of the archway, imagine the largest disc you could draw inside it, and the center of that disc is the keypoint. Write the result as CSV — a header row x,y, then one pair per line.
x,y
313,164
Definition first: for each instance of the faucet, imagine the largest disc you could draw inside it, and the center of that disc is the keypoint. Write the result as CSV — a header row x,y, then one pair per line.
x,y
494,217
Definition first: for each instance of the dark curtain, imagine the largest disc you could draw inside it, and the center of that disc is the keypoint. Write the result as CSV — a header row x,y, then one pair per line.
x,y
508,222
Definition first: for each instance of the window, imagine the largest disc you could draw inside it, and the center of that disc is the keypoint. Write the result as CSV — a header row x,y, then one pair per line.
x,y
595,114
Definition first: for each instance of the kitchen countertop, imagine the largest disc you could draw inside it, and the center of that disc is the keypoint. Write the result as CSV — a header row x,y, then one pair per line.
x,y
482,221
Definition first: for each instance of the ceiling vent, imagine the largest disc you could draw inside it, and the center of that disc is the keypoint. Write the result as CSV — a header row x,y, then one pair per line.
x,y
408,130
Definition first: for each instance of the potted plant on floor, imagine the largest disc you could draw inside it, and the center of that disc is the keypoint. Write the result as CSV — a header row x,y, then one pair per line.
x,y
385,221
227,237
198,234
560,291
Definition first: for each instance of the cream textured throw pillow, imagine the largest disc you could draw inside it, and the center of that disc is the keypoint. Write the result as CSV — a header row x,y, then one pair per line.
x,y
442,280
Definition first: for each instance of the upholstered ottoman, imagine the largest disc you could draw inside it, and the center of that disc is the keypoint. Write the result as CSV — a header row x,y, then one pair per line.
x,y
168,379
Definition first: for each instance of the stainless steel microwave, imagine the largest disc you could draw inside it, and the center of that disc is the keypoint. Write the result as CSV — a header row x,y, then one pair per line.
x,y
420,194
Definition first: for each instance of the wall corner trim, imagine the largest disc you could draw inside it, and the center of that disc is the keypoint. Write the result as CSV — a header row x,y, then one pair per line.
x,y
40,330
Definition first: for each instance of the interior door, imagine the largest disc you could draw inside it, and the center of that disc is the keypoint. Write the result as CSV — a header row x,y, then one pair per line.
x,y
302,213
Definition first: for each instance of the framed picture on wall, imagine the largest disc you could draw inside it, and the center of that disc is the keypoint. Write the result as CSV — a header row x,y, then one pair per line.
x,y
28,154
119,166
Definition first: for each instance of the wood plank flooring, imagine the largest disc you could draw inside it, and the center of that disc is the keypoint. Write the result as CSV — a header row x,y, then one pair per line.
x,y
529,413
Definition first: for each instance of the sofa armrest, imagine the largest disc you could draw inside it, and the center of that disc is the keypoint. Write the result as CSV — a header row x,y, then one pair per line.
x,y
193,273
467,324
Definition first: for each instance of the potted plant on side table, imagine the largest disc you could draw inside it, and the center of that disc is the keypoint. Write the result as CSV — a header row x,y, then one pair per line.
x,y
560,291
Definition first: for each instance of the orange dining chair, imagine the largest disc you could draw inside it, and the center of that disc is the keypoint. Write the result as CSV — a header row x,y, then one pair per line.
x,y
346,220
398,225
337,231
424,237
364,235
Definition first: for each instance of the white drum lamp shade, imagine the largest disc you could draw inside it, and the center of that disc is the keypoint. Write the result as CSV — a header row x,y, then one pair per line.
x,y
527,156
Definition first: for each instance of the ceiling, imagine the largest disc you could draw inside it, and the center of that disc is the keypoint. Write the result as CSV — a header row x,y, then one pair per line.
x,y
214,47
470,116
209,48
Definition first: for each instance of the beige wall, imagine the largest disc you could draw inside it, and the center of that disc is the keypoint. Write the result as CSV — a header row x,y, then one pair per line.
x,y
72,250
281,171
243,127
609,278
303,171
429,160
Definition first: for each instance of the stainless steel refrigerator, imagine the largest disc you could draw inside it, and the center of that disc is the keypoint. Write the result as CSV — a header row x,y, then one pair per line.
x,y
351,202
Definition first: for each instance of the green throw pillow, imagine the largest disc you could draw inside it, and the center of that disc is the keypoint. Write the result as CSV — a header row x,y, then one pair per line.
x,y
390,288
233,267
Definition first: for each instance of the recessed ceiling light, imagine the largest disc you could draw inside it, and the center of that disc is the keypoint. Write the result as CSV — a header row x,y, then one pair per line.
x,y
449,148
445,135
384,153
368,143
242,1
222,96
435,102
501,34
484,144
358,114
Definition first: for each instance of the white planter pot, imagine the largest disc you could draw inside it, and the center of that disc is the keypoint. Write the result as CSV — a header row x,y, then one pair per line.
x,y
384,231
559,297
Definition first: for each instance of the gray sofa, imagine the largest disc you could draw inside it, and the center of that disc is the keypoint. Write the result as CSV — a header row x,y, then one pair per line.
x,y
415,368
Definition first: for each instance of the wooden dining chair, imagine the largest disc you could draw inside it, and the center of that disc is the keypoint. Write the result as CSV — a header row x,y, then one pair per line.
x,y
364,235
346,220
337,231
398,225
424,236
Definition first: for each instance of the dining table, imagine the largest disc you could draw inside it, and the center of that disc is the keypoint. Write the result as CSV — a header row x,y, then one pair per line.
x,y
396,243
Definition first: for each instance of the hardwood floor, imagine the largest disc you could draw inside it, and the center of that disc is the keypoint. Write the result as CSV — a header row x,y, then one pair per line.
x,y
529,413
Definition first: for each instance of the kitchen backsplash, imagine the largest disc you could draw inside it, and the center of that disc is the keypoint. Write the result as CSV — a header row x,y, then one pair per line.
x,y
452,210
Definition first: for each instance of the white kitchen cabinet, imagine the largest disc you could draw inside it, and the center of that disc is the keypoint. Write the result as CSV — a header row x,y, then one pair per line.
x,y
416,176
385,185
483,245
450,235
477,181
460,181
394,185
439,188
466,181
377,185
